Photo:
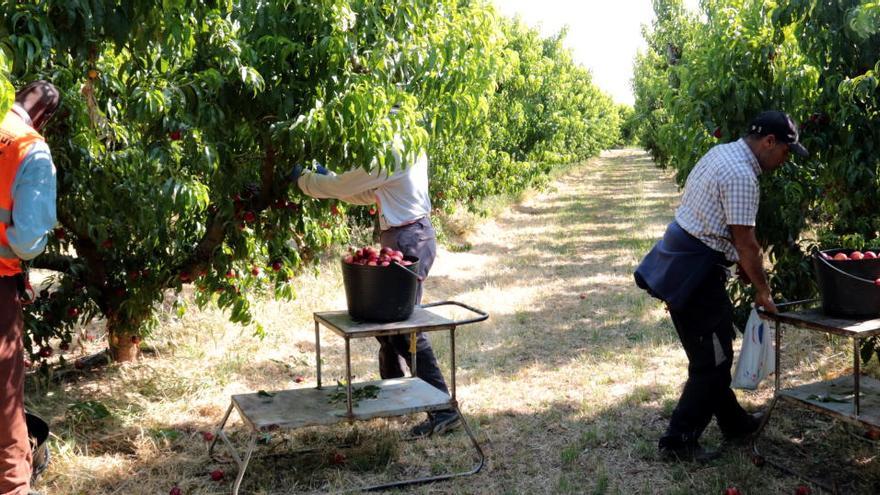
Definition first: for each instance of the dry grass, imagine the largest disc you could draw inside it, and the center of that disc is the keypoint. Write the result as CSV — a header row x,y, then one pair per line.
x,y
568,384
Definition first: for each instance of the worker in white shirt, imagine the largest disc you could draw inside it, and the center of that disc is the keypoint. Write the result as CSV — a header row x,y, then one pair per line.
x,y
404,218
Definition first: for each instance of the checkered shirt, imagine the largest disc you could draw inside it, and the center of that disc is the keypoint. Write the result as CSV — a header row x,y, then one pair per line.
x,y
721,190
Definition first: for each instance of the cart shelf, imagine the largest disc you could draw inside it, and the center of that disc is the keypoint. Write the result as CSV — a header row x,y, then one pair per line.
x,y
299,408
835,398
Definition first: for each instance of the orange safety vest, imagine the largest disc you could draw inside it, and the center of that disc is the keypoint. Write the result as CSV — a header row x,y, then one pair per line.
x,y
16,139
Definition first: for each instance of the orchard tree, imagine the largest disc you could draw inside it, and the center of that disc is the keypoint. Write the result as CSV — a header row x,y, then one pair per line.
x,y
181,120
545,111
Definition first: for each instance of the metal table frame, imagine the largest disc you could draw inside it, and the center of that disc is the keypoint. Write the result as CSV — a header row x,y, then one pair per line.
x,y
340,323
804,395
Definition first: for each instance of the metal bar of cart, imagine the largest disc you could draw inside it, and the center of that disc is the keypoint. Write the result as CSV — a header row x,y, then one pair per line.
x,y
856,374
777,357
318,351
482,314
348,375
452,359
414,347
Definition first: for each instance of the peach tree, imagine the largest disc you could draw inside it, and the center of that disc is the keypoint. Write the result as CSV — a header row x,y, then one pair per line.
x,y
181,120
544,111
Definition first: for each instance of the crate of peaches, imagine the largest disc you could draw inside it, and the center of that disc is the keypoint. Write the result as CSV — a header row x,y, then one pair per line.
x,y
849,282
372,257
380,284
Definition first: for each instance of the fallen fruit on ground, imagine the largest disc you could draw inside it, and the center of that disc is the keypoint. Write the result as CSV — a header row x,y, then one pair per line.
x,y
732,490
207,436
217,474
802,490
175,491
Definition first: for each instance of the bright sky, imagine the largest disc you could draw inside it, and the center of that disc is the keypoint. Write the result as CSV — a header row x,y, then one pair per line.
x,y
604,35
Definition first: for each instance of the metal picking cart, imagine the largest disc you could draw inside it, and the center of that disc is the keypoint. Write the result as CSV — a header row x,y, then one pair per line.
x,y
299,408
853,399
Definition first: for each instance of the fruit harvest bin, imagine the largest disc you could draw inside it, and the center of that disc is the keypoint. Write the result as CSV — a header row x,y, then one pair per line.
x,y
849,282
382,290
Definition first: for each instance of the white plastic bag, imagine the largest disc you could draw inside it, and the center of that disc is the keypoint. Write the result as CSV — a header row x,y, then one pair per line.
x,y
756,358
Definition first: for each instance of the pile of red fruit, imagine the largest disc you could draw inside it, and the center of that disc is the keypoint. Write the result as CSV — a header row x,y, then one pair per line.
x,y
855,255
372,257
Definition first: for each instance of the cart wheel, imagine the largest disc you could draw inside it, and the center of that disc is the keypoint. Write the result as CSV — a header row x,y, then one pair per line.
x,y
758,460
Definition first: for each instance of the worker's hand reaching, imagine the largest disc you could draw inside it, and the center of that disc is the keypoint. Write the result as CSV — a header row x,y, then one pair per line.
x,y
295,173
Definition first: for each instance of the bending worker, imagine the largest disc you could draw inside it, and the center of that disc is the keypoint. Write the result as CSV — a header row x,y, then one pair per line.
x,y
404,207
714,227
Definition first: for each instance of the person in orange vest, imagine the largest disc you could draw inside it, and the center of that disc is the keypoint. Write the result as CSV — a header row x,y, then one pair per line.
x,y
27,213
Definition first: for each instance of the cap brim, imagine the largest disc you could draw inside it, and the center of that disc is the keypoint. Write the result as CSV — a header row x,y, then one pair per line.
x,y
798,149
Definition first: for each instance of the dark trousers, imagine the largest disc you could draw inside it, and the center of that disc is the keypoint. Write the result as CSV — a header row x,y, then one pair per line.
x,y
15,450
705,327
417,239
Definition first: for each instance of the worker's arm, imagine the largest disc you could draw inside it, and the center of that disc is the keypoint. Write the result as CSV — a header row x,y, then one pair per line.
x,y
349,185
33,199
750,261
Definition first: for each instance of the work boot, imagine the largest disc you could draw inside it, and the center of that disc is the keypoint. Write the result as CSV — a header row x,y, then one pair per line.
x,y
436,424
745,434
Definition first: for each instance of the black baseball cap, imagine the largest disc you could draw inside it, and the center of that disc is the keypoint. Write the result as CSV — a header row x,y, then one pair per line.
x,y
780,125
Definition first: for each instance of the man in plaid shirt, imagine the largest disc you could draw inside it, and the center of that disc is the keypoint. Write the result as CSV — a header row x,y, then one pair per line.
x,y
715,227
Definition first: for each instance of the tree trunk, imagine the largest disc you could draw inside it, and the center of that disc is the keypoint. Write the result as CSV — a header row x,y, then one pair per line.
x,y
123,339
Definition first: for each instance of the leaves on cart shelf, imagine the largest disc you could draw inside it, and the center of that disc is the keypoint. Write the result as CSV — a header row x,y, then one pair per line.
x,y
263,393
357,393
843,399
